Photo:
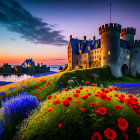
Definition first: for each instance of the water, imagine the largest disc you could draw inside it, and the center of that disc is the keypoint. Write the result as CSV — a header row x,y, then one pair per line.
x,y
4,79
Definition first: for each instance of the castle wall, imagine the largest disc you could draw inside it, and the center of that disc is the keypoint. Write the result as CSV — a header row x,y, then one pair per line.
x,y
69,56
95,55
135,60
125,58
83,60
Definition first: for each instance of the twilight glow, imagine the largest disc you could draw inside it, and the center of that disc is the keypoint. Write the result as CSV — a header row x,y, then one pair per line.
x,y
41,29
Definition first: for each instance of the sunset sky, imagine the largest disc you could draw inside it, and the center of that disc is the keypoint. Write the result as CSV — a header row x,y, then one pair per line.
x,y
40,29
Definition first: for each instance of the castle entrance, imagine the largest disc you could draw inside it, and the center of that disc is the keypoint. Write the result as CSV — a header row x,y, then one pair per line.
x,y
124,69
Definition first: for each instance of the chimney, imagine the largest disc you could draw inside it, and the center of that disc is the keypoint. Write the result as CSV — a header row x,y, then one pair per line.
x,y
94,38
84,38
70,37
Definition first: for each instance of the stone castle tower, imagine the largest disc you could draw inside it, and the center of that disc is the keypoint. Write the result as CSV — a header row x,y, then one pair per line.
x,y
110,46
121,54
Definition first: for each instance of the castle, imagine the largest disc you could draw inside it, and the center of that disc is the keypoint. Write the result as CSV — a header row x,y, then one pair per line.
x,y
121,54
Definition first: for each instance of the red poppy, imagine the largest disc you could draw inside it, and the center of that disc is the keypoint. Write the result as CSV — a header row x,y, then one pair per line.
x,y
56,102
78,91
80,88
115,88
77,101
82,110
60,125
138,130
76,95
49,109
46,91
109,98
130,95
88,94
103,96
110,89
66,103
87,82
37,98
122,95
83,97
96,136
66,89
54,96
34,94
92,104
118,107
110,134
36,120
42,117
125,135
49,97
97,94
102,89
115,94
97,104
122,124
137,110
69,98
102,110
54,85
94,85
106,91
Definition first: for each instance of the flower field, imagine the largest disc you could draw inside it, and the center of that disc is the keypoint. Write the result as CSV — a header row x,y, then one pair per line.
x,y
68,106
85,113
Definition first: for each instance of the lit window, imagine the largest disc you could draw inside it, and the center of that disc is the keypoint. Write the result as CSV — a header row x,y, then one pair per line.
x,y
108,52
128,56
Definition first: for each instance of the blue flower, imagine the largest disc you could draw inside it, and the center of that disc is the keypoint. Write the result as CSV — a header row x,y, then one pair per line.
x,y
2,93
60,83
11,88
23,87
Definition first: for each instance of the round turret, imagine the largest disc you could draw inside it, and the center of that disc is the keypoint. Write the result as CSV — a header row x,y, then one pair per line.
x,y
110,45
128,34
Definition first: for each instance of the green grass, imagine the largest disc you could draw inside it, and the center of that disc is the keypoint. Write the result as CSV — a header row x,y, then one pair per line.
x,y
77,124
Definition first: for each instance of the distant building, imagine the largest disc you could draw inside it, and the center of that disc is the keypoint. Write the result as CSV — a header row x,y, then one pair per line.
x,y
122,55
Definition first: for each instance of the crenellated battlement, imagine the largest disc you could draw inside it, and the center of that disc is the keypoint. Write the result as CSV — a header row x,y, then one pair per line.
x,y
129,30
110,27
135,43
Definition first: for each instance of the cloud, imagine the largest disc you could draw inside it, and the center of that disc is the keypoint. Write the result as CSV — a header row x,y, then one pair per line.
x,y
13,39
15,18
53,59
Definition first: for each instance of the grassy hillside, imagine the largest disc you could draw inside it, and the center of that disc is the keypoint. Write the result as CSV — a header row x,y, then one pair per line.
x,y
79,113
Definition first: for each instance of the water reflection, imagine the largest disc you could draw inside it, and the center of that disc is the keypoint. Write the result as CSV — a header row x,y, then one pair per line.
x,y
15,77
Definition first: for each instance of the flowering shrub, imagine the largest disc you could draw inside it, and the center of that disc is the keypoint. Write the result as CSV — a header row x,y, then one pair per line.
x,y
14,110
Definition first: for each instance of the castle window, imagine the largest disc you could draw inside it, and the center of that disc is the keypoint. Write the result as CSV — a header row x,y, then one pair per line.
x,y
108,52
128,57
100,51
136,51
92,52
77,62
104,57
95,57
84,56
95,51
80,62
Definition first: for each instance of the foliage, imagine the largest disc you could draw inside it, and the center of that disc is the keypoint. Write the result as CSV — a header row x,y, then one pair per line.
x,y
14,110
